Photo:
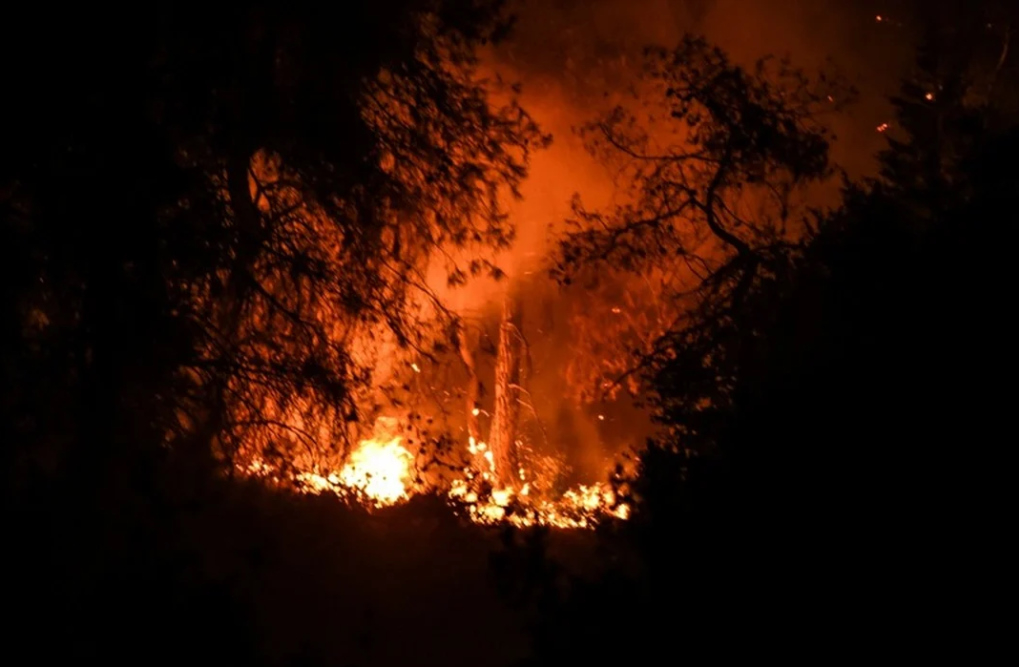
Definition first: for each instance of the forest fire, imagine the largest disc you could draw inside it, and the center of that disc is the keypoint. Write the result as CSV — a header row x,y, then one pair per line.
x,y
381,473
515,342
481,329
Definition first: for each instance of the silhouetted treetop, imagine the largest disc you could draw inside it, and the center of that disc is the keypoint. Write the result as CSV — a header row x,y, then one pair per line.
x,y
711,135
714,161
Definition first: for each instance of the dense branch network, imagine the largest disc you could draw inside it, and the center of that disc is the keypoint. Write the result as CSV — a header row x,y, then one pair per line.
x,y
279,178
337,271
714,166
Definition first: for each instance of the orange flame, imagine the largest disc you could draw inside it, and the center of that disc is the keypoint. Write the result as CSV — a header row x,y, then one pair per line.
x,y
379,470
379,473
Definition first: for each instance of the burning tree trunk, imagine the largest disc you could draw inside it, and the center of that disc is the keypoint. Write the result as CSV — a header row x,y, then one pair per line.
x,y
507,386
468,342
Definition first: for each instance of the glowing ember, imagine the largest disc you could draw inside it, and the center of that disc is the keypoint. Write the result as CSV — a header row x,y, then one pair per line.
x,y
379,470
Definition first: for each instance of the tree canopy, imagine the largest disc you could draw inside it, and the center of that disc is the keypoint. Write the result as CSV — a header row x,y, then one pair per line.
x,y
714,162
211,207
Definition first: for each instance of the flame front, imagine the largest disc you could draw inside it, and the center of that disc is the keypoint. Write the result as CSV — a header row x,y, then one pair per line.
x,y
380,473
379,470
581,507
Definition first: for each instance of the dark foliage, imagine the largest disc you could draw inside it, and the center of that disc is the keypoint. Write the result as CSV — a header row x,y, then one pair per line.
x,y
201,207
714,163
202,214
833,478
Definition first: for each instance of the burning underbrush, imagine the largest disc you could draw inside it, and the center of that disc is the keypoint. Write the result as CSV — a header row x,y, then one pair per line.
x,y
384,471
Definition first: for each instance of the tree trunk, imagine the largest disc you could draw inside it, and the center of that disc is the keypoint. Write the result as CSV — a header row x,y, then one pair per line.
x,y
507,404
468,343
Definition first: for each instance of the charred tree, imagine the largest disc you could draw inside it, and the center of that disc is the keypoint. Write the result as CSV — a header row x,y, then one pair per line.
x,y
507,389
468,341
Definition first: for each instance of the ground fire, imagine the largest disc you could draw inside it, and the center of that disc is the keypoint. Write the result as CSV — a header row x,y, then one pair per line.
x,y
380,473
485,376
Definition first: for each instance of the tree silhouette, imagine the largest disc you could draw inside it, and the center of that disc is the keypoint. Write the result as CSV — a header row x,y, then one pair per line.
x,y
714,168
829,443
202,211
275,187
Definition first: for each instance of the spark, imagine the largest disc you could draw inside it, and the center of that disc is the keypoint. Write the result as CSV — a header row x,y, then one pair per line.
x,y
883,127
417,369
